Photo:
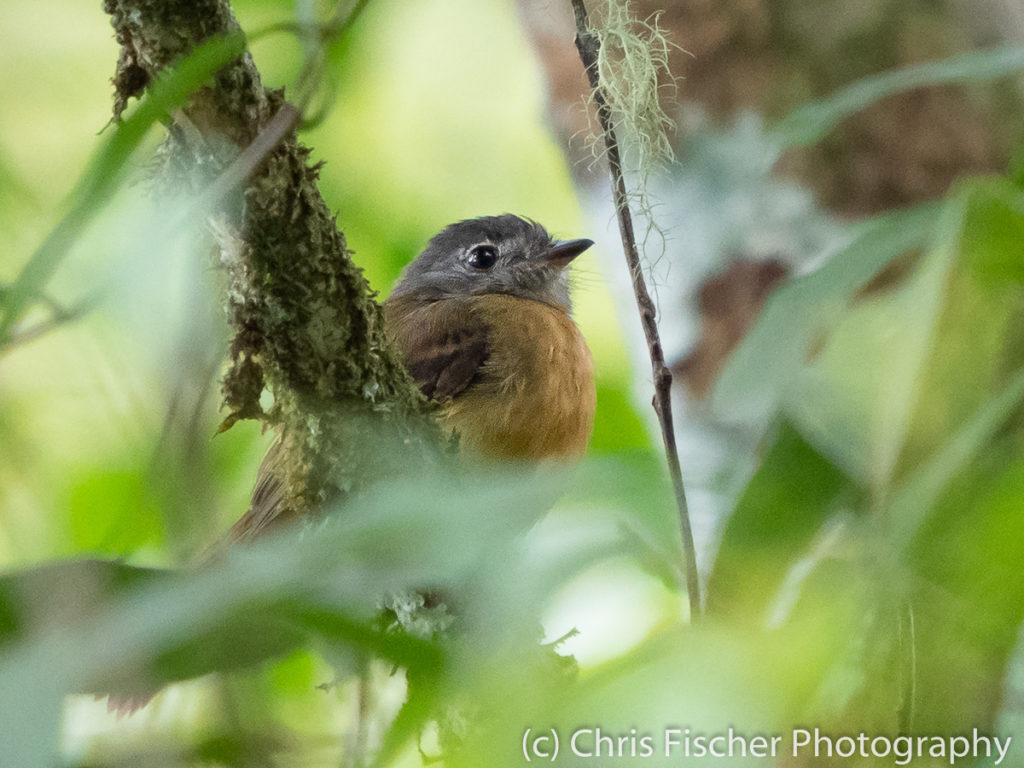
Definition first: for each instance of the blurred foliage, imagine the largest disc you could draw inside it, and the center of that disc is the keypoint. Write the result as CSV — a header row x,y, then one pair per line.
x,y
814,121
867,579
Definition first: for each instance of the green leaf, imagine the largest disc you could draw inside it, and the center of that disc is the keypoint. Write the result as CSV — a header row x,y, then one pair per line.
x,y
763,368
328,623
914,498
812,122
969,603
854,400
92,634
914,358
993,233
61,593
780,512
419,706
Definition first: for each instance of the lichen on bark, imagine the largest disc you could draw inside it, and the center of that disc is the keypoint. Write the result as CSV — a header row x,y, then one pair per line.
x,y
305,321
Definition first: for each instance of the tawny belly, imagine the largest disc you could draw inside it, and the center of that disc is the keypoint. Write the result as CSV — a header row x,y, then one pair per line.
x,y
535,398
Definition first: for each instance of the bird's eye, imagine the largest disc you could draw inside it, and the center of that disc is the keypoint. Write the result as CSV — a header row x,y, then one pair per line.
x,y
482,256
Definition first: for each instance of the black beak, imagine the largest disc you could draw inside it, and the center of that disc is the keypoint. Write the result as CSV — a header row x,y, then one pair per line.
x,y
564,251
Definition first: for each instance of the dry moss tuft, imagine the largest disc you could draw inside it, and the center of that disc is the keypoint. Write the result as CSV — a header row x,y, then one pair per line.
x,y
633,69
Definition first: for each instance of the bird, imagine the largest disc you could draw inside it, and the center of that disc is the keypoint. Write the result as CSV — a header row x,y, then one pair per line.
x,y
482,319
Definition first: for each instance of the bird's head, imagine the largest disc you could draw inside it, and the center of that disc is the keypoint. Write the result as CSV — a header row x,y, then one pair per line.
x,y
493,255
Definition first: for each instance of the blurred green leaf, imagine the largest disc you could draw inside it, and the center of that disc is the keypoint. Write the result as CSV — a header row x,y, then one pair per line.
x,y
972,351
993,231
762,369
854,400
702,679
914,353
129,630
260,601
915,396
634,488
420,705
328,623
106,170
781,510
915,496
812,122
53,594
969,595
20,202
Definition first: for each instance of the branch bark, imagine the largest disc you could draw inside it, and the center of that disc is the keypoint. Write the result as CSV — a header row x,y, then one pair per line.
x,y
304,318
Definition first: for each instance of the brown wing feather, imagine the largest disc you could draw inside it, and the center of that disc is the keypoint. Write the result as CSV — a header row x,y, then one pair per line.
x,y
444,344
266,505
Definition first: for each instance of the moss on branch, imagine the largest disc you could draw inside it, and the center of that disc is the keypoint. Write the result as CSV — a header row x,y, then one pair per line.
x,y
304,318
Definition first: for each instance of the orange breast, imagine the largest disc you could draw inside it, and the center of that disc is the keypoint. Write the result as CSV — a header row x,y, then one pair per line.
x,y
535,398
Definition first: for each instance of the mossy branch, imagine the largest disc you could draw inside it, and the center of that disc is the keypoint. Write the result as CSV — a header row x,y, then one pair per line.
x,y
304,318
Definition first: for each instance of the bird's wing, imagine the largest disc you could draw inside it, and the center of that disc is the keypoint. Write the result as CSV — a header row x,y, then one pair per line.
x,y
444,344
267,504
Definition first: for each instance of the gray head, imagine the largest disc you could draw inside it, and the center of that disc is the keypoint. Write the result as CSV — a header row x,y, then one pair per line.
x,y
493,254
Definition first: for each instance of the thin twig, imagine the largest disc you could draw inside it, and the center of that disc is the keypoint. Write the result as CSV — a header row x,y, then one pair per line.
x,y
59,316
43,327
249,159
589,46
313,69
286,119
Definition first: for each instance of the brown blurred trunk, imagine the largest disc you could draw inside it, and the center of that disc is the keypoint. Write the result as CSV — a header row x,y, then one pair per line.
x,y
770,56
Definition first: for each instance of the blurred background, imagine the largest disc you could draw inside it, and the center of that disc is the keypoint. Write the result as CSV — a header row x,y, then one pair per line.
x,y
839,291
